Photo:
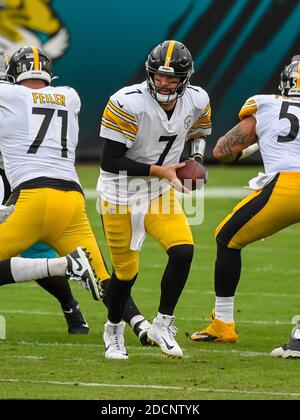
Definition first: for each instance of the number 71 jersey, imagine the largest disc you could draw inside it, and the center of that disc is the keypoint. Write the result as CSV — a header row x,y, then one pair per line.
x,y
278,130
38,132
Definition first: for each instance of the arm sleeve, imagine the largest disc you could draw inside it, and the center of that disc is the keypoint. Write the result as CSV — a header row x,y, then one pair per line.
x,y
113,160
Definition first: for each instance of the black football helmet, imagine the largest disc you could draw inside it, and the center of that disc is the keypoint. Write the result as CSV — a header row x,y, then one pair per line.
x,y
4,60
290,78
170,58
30,62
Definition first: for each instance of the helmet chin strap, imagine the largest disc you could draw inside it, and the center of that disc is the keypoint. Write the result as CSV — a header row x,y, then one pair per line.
x,y
165,99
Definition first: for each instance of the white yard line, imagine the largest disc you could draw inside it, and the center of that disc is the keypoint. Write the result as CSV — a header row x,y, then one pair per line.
x,y
198,319
153,386
138,349
209,192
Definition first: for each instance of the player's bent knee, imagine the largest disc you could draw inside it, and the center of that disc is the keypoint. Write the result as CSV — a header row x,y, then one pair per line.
x,y
126,271
229,245
181,254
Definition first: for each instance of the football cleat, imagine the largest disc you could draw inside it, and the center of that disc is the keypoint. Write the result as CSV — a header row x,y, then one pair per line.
x,y
141,329
279,351
75,320
292,348
218,332
162,333
80,269
113,338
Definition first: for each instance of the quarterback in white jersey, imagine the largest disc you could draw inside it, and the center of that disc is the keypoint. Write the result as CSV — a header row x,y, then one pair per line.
x,y
135,118
274,122
144,129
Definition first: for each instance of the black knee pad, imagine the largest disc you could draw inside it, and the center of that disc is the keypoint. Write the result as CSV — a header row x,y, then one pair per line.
x,y
181,254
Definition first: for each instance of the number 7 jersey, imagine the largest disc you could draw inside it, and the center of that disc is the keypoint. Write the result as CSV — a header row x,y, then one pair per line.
x,y
133,117
38,132
277,127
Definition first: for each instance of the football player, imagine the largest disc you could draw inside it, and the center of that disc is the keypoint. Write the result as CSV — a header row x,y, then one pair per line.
x,y
57,286
144,129
76,265
273,122
39,135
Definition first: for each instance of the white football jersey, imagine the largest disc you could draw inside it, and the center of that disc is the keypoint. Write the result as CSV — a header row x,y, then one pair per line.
x,y
1,190
133,117
38,132
278,130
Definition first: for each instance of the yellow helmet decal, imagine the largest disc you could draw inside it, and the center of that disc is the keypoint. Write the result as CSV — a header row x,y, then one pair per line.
x,y
36,58
298,78
169,53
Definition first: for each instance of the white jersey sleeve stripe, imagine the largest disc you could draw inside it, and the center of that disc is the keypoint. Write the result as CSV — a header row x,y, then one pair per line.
x,y
112,126
121,112
120,115
127,128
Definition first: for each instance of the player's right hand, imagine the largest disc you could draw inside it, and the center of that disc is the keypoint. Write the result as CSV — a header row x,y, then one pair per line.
x,y
168,172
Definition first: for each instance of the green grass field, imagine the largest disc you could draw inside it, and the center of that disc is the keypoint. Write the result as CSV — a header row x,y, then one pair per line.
x,y
40,360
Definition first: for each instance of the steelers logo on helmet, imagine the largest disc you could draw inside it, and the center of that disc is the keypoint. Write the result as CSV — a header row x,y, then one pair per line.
x,y
170,58
290,78
30,62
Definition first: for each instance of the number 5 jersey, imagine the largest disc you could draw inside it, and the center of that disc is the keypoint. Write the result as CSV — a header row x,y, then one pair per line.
x,y
277,127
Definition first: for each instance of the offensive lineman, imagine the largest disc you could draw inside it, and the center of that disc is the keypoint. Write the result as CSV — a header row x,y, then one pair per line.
x,y
273,122
39,134
144,129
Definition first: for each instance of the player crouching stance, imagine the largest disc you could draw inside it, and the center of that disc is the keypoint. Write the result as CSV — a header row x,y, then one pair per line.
x,y
144,129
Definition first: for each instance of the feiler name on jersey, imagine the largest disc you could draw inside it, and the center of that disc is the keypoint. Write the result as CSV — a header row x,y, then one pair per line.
x,y
45,132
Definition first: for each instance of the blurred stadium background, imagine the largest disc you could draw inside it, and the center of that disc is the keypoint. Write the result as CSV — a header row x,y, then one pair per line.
x,y
239,48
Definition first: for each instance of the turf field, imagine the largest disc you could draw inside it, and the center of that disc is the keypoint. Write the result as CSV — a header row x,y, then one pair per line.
x,y
39,360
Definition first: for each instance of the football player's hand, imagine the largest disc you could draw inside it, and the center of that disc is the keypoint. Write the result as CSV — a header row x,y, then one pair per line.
x,y
168,172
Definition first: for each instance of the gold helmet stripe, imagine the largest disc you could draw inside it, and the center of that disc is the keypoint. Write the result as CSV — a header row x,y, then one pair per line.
x,y
36,58
169,53
298,78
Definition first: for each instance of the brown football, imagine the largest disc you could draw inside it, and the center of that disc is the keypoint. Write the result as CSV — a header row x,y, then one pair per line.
x,y
193,171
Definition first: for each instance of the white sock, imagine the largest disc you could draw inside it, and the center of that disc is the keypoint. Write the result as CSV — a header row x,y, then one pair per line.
x,y
27,269
57,266
224,308
135,319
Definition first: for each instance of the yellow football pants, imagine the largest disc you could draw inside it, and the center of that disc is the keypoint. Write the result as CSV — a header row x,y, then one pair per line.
x,y
57,218
169,228
263,213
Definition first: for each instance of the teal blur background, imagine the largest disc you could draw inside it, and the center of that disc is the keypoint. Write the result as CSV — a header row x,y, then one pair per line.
x,y
109,43
239,47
